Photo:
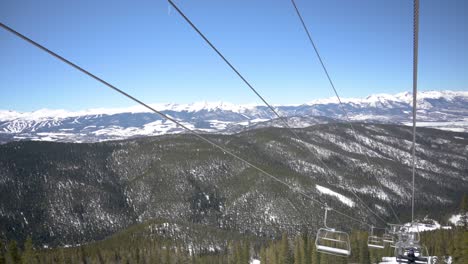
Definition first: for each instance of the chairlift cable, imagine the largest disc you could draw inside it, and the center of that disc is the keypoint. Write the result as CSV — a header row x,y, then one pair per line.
x,y
336,94
116,89
281,118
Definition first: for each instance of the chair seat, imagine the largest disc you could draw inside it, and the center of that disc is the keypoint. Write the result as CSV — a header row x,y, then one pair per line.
x,y
375,246
333,250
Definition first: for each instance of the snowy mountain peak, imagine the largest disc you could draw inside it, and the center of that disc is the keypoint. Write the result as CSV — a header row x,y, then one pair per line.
x,y
441,109
371,100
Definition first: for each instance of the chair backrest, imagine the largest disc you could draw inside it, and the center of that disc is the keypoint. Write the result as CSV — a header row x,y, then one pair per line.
x,y
375,242
394,228
333,242
413,237
388,238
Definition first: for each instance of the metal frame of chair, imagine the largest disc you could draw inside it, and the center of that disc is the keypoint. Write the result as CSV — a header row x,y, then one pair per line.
x,y
331,241
374,241
388,238
410,240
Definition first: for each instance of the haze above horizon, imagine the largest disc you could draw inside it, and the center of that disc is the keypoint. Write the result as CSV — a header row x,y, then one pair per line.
x,y
149,51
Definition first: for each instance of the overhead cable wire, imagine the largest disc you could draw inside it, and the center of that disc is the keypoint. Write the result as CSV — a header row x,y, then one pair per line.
x,y
415,89
116,89
281,118
336,93
229,64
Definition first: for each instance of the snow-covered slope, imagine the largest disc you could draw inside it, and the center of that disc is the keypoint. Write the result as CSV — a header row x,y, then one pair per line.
x,y
425,225
439,109
458,219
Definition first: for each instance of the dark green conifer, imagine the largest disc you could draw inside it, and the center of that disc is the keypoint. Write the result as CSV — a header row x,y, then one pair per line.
x,y
14,253
28,254
2,253
285,256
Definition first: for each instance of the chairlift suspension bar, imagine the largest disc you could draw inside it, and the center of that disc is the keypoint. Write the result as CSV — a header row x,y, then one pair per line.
x,y
415,90
116,89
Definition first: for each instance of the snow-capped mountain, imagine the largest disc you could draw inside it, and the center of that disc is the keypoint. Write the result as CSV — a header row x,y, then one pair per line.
x,y
440,109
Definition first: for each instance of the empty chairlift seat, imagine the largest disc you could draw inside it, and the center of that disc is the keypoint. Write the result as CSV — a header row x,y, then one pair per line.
x,y
388,237
333,242
375,241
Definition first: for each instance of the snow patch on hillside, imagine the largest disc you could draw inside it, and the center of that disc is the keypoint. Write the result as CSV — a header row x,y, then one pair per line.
x,y
425,225
457,219
340,197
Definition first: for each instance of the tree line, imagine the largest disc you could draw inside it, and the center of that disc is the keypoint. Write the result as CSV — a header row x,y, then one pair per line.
x,y
285,250
134,247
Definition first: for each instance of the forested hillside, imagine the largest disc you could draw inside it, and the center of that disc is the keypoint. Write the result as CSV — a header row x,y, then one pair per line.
x,y
62,193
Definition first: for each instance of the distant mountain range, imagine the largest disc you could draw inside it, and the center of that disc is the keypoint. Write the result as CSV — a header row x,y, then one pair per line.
x,y
447,110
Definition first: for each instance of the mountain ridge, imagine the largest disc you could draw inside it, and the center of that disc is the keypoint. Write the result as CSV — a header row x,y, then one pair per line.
x,y
447,110
226,106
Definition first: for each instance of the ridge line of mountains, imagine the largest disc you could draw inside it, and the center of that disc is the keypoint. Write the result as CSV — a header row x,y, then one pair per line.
x,y
447,110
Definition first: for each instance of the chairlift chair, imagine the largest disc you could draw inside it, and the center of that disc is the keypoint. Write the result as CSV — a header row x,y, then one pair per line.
x,y
375,241
420,253
331,241
410,240
395,229
388,237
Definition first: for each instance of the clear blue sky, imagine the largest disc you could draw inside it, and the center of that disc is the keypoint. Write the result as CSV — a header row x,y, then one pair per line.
x,y
147,49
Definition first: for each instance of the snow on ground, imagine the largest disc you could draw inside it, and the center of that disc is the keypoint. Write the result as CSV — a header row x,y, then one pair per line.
x,y
454,126
425,225
455,219
340,197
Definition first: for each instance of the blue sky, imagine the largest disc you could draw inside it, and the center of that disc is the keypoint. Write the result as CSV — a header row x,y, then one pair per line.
x,y
147,49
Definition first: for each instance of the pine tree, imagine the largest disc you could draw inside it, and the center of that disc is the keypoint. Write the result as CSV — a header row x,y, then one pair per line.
x,y
263,255
464,204
364,256
2,254
464,211
314,255
246,252
83,255
285,256
464,246
324,258
238,253
28,254
14,252
231,253
305,249
297,250
167,255
100,257
272,254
